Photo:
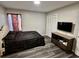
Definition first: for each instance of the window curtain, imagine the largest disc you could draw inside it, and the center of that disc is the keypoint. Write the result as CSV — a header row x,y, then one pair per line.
x,y
15,22
19,23
10,22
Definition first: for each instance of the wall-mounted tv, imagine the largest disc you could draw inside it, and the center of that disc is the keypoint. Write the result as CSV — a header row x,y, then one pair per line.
x,y
65,26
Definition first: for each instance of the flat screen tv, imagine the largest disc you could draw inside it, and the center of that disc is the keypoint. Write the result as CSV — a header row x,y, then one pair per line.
x,y
65,26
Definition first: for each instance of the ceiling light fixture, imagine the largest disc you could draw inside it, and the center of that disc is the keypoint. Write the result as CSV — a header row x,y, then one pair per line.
x,y
37,2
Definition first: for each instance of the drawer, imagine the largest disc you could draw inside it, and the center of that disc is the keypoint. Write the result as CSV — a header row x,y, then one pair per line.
x,y
56,36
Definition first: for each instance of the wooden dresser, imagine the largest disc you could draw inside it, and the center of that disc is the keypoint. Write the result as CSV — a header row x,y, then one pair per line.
x,y
65,42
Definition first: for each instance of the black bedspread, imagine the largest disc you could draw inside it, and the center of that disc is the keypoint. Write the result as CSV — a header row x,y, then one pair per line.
x,y
18,41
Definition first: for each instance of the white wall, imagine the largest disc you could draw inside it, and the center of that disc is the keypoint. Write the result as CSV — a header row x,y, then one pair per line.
x,y
31,21
3,19
2,16
34,21
67,14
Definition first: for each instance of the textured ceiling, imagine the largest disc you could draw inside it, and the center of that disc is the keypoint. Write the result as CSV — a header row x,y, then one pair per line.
x,y
45,6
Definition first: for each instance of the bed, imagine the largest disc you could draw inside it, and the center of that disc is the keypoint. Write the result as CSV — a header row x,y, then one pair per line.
x,y
18,41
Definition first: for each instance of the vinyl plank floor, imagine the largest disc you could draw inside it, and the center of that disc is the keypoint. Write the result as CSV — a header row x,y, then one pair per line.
x,y
47,51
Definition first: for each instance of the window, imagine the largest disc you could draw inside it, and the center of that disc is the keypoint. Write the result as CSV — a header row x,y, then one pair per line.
x,y
14,22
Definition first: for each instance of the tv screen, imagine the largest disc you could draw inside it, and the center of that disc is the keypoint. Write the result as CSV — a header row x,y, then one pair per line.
x,y
65,26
